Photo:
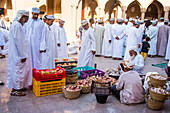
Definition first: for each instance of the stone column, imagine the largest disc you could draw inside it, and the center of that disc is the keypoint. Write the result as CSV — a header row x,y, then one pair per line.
x,y
124,8
106,16
116,12
54,6
159,15
166,9
143,10
74,14
101,12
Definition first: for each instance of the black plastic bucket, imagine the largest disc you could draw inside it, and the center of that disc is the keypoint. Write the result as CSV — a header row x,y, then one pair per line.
x,y
101,98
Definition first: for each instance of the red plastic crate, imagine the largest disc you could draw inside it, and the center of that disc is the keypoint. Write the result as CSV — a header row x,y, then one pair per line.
x,y
48,77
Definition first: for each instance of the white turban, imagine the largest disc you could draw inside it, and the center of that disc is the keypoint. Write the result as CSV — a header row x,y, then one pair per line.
x,y
61,22
20,13
134,48
84,22
154,22
131,19
128,64
126,20
100,21
112,19
120,20
50,17
167,20
36,10
141,21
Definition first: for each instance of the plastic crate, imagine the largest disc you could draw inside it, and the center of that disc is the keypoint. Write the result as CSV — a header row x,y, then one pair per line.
x,y
48,88
67,66
94,72
47,77
85,68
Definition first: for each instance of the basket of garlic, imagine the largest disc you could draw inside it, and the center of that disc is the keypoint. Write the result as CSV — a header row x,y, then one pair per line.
x,y
157,80
158,94
152,104
86,86
72,91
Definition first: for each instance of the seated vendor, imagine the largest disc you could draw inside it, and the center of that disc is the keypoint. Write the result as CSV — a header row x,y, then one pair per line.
x,y
137,59
129,87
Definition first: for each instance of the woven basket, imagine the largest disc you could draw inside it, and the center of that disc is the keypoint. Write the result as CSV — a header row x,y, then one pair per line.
x,y
157,97
86,89
71,94
154,104
156,82
71,78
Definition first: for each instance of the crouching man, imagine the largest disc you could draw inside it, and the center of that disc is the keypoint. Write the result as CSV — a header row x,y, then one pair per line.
x,y
129,87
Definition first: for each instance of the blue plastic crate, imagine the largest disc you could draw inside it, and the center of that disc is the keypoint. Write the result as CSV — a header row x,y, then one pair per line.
x,y
85,68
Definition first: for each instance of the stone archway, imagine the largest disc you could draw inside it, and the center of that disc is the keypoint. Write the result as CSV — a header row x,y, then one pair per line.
x,y
133,10
112,8
92,4
154,10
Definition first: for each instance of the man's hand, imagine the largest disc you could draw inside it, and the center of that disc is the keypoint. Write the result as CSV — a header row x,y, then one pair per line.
x,y
42,51
93,52
23,60
118,68
110,41
58,44
139,45
2,47
117,38
79,48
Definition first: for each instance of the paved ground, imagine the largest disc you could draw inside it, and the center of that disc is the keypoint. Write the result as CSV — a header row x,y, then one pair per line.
x,y
86,103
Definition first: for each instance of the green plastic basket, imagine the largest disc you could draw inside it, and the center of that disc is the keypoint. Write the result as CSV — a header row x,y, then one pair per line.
x,y
85,68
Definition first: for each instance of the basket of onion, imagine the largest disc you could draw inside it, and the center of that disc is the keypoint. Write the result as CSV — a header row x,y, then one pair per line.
x,y
86,86
158,94
153,104
157,80
72,91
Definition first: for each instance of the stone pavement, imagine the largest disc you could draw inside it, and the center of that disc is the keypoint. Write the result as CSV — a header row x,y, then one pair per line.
x,y
86,103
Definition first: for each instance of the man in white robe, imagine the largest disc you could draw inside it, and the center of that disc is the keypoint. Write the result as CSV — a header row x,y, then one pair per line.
x,y
62,41
19,70
162,39
133,39
119,32
152,33
161,23
55,29
125,24
2,44
34,32
137,59
128,88
107,41
5,36
48,57
88,46
99,33
167,57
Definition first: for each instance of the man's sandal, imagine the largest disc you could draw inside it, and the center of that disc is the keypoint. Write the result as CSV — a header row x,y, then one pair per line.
x,y
17,93
23,89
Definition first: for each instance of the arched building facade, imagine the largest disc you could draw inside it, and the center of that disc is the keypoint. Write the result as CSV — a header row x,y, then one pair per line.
x,y
73,11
